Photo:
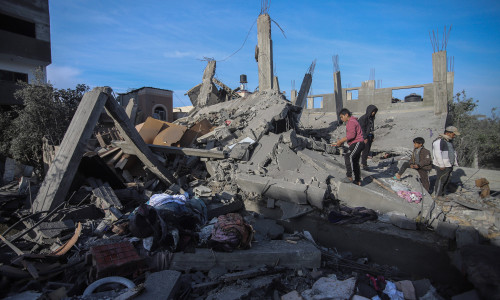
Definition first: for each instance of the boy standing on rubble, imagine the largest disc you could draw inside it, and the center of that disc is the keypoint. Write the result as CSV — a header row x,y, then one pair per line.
x,y
420,160
444,158
354,138
367,123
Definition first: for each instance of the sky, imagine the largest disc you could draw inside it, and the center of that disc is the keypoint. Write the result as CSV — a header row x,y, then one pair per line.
x,y
130,44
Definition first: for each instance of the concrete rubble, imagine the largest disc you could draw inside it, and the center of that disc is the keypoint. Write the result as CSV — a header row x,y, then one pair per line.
x,y
240,199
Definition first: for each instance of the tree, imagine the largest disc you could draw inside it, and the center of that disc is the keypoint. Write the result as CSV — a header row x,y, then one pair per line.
x,y
46,112
479,137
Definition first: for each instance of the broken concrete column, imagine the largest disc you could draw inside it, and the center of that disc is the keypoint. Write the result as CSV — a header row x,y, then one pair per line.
x,y
265,56
337,86
131,109
293,96
304,90
439,75
450,79
57,182
276,84
207,86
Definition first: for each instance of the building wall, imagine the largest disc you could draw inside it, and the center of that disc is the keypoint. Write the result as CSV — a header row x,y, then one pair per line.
x,y
147,100
25,42
368,94
436,94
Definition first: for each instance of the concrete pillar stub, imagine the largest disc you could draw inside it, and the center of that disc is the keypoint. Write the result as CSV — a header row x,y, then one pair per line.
x,y
276,84
293,96
265,56
450,79
337,86
439,74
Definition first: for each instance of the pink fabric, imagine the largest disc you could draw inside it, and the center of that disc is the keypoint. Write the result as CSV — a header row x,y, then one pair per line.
x,y
410,196
353,131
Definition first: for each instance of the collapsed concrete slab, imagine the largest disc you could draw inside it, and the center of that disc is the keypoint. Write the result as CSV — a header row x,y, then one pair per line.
x,y
275,252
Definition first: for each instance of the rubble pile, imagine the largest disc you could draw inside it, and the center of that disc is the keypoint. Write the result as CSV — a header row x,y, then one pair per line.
x,y
161,204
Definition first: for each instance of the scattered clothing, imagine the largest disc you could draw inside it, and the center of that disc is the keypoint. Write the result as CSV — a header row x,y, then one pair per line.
x,y
172,220
410,196
231,232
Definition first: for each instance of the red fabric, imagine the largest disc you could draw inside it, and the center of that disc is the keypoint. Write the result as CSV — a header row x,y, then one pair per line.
x,y
353,131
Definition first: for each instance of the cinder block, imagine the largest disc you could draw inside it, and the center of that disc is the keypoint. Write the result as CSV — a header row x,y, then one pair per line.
x,y
119,259
403,222
161,285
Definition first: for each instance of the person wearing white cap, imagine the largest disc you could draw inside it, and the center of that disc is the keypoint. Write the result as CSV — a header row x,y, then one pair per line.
x,y
444,159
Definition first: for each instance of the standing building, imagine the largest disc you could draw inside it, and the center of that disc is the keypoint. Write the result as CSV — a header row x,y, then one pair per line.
x,y
25,43
151,102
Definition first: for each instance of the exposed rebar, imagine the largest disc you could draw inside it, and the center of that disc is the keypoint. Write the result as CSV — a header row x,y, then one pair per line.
x,y
335,59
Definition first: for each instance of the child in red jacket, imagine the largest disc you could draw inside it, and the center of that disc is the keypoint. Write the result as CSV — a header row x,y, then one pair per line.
x,y
354,138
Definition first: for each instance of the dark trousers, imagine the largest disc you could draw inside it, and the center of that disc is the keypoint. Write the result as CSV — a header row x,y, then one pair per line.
x,y
424,175
442,180
366,152
352,157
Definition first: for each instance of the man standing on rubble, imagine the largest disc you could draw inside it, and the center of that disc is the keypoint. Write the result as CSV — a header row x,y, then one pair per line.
x,y
444,158
354,138
367,122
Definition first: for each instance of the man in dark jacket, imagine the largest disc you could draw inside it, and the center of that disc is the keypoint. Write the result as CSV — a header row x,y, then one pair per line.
x,y
367,123
420,160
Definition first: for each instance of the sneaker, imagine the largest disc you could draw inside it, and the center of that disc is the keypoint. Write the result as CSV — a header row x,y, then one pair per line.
x,y
347,180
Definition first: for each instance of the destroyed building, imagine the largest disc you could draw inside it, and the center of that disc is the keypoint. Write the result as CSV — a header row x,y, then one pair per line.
x,y
241,199
25,35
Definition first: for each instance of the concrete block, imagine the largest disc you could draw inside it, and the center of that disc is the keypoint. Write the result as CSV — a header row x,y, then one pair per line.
x,y
421,286
279,189
403,222
300,255
290,138
383,202
330,288
202,191
292,210
212,167
265,149
466,235
161,285
293,295
118,259
287,159
272,188
240,152
447,230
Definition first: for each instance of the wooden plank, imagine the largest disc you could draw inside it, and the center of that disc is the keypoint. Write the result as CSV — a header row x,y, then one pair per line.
x,y
188,151
61,172
132,137
173,150
12,246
